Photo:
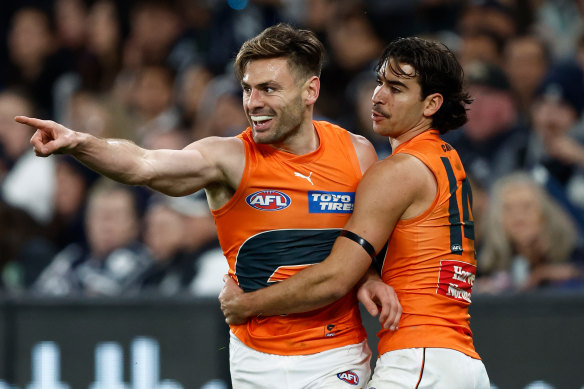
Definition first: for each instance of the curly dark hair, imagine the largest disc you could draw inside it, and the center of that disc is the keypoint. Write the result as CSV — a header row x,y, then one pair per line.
x,y
438,71
305,53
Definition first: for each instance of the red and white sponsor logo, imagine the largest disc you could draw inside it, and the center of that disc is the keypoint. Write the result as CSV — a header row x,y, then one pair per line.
x,y
456,279
349,377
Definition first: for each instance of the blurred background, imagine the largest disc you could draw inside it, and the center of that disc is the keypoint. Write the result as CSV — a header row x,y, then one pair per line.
x,y
89,269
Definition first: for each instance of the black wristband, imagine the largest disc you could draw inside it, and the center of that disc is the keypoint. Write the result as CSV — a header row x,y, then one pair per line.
x,y
361,242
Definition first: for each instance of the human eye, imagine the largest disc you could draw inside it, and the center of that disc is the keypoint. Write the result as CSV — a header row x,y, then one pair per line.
x,y
270,89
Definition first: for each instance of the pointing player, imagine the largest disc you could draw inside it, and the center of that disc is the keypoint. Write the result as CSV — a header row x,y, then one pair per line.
x,y
280,192
420,199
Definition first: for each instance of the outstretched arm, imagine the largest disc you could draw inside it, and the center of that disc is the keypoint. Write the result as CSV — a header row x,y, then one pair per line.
x,y
388,191
173,172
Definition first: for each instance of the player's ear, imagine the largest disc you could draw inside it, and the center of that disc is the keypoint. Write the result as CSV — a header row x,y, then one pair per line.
x,y
432,104
311,90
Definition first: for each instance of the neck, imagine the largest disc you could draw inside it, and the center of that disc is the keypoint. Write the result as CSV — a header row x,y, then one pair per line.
x,y
301,142
408,135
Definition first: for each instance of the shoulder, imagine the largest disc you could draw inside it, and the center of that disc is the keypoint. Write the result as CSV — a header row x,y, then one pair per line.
x,y
401,164
402,173
366,153
360,142
215,143
219,149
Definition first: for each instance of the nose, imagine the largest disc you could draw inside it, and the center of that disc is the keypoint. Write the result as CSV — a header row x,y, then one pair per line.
x,y
378,95
254,100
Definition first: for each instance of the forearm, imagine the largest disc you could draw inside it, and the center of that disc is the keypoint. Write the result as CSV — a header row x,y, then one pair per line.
x,y
120,160
305,291
313,287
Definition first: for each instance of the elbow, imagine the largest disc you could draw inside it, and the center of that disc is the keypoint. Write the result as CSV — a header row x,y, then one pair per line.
x,y
333,284
137,178
338,289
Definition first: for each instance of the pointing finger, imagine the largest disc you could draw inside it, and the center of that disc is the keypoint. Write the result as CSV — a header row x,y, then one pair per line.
x,y
33,122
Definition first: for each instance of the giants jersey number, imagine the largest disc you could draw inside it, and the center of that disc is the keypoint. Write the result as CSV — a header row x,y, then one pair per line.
x,y
457,228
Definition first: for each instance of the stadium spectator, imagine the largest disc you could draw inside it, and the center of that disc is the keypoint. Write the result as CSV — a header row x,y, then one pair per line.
x,y
173,268
73,183
70,24
232,25
555,148
27,193
152,103
26,182
113,258
497,16
34,63
154,27
530,242
481,45
560,23
354,46
180,233
99,114
219,112
190,92
526,60
101,60
492,142
24,252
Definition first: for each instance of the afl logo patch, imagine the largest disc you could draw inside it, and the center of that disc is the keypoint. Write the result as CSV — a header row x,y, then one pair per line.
x,y
268,200
349,377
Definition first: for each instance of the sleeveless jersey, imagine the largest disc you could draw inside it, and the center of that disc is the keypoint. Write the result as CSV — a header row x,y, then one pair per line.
x,y
284,216
430,260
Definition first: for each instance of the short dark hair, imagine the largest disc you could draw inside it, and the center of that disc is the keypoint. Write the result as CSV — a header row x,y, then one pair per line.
x,y
438,71
305,53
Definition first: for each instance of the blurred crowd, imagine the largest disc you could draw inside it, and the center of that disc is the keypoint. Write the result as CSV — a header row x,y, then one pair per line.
x,y
159,72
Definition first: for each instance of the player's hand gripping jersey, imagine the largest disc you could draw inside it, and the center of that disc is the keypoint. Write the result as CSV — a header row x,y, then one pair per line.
x,y
286,215
430,260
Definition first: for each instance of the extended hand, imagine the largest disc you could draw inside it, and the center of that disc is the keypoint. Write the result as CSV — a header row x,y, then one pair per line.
x,y
50,137
229,299
375,293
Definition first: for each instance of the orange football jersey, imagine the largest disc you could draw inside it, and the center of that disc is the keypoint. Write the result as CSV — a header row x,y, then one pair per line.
x,y
285,215
430,260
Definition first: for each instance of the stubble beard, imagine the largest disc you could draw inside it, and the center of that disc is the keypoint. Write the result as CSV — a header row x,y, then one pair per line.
x,y
286,124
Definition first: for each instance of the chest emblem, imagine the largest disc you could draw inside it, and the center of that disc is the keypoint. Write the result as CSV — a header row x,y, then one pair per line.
x,y
268,200
305,177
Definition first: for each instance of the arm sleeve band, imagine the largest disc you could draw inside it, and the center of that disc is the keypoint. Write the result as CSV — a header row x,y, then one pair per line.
x,y
361,242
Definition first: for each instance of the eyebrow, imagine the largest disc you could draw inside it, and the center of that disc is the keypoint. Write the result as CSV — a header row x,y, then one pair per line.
x,y
262,85
391,82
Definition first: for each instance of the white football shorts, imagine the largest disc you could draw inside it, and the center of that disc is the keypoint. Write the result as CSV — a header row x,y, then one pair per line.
x,y
428,368
346,367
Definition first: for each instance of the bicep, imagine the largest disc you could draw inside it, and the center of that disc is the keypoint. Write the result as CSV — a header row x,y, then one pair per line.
x,y
384,194
202,163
